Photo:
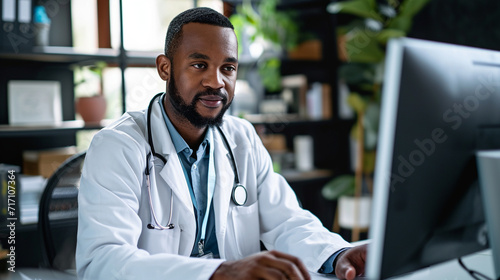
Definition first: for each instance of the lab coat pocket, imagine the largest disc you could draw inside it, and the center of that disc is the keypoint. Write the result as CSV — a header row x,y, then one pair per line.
x,y
161,241
246,229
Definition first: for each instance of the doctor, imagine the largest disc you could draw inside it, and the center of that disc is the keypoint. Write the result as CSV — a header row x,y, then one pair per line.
x,y
180,191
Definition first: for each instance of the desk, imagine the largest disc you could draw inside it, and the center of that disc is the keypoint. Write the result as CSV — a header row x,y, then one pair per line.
x,y
38,274
451,270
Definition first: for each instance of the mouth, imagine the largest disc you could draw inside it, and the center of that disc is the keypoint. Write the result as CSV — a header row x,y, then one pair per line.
x,y
211,101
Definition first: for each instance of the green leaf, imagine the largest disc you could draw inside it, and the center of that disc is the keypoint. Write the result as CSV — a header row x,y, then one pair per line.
x,y
269,71
356,102
408,10
251,16
339,186
360,8
362,46
387,34
357,73
400,23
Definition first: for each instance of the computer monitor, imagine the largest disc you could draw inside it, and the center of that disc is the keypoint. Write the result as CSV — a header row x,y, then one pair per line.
x,y
440,104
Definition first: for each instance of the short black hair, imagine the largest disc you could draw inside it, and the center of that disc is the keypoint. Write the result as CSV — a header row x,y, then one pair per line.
x,y
199,15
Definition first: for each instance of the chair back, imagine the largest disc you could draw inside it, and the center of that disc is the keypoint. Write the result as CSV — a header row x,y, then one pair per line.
x,y
58,215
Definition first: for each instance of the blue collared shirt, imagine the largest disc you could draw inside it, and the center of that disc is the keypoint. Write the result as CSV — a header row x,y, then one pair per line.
x,y
196,171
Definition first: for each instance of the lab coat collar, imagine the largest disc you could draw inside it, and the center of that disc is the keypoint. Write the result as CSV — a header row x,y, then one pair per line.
x,y
172,171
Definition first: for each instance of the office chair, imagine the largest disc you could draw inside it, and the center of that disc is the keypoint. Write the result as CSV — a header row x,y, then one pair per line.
x,y
58,215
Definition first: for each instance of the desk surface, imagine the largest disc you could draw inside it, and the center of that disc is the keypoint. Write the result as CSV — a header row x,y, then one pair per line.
x,y
481,262
37,274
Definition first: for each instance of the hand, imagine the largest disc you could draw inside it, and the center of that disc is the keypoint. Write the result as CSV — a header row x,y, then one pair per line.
x,y
351,263
266,265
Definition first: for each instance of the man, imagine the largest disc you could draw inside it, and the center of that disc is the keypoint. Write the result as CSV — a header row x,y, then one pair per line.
x,y
160,194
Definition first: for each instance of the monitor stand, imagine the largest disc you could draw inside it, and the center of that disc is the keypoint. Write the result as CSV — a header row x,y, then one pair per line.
x,y
489,179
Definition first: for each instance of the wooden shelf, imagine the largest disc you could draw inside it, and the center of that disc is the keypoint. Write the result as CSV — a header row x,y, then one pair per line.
x,y
47,129
142,58
55,54
63,55
294,176
281,119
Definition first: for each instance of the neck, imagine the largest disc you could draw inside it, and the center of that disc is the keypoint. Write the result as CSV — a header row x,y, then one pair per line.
x,y
191,134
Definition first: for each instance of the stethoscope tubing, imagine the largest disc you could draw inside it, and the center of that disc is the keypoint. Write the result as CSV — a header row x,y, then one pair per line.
x,y
170,225
158,225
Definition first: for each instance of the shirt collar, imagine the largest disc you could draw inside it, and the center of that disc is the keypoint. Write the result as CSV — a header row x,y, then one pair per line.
x,y
179,142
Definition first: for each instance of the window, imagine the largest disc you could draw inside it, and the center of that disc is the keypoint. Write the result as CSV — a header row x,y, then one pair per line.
x,y
145,23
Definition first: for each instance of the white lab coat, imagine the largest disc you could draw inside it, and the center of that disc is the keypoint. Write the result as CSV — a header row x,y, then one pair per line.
x,y
114,242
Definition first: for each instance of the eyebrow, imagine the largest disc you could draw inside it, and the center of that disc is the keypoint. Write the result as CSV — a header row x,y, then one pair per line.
x,y
197,55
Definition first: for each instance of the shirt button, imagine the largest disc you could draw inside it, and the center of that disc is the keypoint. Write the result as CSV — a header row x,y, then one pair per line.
x,y
194,166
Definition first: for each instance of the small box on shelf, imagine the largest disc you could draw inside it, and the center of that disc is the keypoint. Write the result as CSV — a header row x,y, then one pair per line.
x,y
45,162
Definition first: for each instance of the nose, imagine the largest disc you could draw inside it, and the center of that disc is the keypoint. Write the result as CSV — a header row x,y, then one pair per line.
x,y
213,79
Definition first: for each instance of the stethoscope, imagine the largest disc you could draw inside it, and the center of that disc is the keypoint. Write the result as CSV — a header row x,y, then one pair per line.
x,y
238,193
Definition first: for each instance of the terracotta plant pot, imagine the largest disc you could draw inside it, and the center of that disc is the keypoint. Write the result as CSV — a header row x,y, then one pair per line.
x,y
308,50
92,109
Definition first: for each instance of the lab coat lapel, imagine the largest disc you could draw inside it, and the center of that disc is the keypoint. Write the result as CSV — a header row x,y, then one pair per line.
x,y
223,187
173,175
172,172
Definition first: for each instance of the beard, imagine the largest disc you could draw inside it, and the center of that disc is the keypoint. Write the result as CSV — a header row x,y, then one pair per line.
x,y
189,112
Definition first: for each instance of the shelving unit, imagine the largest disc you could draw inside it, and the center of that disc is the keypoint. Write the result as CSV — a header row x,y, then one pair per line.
x,y
330,136
62,55
55,63
42,130
47,63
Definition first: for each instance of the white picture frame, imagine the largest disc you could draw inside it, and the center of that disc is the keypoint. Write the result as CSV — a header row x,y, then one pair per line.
x,y
34,102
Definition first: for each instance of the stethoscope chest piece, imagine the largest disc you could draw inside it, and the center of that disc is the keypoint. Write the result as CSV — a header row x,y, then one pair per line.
x,y
239,195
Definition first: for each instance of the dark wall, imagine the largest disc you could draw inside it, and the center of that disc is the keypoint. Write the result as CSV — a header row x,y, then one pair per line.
x,y
464,22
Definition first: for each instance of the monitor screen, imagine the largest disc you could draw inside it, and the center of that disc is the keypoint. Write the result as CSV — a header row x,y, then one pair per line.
x,y
440,104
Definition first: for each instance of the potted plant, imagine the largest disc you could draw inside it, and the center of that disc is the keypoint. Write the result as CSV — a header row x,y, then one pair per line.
x,y
90,102
362,48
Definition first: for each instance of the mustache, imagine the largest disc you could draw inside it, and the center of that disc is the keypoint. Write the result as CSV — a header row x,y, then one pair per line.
x,y
218,93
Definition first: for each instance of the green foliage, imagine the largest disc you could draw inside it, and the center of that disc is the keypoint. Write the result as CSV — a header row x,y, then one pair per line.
x,y
342,185
360,8
88,79
279,28
366,37
269,71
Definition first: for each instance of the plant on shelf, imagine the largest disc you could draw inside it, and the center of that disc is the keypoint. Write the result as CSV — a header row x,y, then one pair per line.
x,y
264,33
90,101
362,45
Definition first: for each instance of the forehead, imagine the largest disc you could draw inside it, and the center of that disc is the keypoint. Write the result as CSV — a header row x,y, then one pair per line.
x,y
207,39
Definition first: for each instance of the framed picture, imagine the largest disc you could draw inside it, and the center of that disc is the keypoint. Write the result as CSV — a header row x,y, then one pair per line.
x,y
34,102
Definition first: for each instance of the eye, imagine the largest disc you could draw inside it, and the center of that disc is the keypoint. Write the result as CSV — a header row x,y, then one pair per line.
x,y
199,66
229,68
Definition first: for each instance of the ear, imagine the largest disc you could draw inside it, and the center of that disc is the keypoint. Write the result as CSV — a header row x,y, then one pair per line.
x,y
163,66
